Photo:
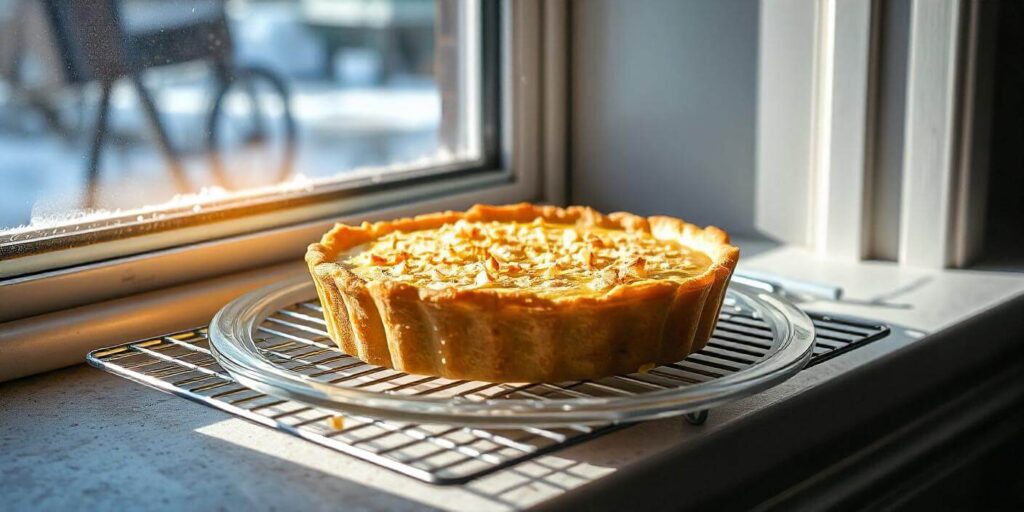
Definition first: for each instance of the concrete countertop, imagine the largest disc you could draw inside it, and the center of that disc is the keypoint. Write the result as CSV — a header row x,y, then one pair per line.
x,y
80,438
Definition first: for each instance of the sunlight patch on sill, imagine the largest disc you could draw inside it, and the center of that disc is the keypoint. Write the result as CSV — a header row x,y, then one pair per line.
x,y
519,486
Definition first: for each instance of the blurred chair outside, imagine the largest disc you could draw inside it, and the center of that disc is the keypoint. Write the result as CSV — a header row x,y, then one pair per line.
x,y
96,44
161,97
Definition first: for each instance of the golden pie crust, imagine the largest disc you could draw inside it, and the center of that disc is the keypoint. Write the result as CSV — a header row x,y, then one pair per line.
x,y
488,328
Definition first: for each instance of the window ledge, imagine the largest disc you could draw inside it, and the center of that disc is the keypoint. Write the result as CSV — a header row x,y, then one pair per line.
x,y
950,328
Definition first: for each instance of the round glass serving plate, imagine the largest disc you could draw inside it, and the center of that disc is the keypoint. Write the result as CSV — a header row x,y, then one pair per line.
x,y
274,340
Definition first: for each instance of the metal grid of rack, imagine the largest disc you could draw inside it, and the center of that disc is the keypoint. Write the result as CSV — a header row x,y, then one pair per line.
x,y
294,337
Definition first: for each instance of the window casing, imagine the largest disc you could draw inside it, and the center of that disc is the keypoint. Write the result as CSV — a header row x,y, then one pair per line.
x,y
820,147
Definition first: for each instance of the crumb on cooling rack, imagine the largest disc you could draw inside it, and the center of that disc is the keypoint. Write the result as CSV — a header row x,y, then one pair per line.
x,y
646,368
337,422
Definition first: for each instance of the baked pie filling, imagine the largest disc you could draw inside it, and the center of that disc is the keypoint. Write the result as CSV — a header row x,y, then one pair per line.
x,y
549,260
522,293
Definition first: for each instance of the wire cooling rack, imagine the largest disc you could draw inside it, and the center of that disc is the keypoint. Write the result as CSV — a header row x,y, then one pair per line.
x,y
182,364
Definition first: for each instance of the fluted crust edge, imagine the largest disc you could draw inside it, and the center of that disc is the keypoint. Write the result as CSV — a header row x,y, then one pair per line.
x,y
479,334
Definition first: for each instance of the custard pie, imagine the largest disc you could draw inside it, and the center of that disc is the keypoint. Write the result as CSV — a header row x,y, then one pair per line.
x,y
522,293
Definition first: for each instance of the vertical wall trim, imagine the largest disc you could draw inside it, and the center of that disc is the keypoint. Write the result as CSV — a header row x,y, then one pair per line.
x,y
786,119
972,172
821,136
819,58
555,100
523,58
930,151
845,128
886,165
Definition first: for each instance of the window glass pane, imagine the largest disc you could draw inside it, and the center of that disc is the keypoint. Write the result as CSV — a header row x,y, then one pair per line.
x,y
117,105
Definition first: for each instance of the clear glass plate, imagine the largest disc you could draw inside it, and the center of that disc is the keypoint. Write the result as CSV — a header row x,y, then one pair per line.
x,y
272,340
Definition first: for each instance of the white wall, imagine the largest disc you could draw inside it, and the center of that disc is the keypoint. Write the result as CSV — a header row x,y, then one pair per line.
x,y
664,102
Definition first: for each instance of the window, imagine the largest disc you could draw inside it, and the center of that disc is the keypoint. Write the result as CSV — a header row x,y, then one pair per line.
x,y
129,126
491,66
